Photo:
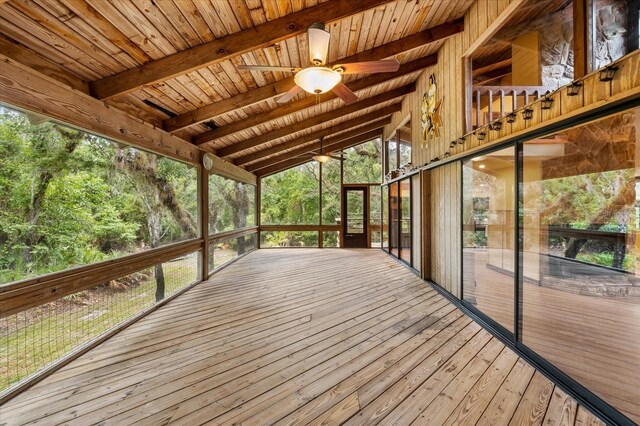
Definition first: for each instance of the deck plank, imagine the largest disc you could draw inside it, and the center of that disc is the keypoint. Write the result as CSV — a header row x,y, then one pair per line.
x,y
301,336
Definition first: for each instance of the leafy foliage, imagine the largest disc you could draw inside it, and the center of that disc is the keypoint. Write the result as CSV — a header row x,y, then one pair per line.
x,y
70,198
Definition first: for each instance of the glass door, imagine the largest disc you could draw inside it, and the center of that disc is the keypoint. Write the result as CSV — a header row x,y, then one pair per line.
x,y
355,208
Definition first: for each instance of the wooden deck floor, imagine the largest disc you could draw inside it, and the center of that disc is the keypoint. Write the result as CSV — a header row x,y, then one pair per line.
x,y
301,336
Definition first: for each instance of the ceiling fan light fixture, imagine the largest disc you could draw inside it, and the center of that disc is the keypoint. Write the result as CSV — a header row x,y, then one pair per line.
x,y
317,80
321,158
318,43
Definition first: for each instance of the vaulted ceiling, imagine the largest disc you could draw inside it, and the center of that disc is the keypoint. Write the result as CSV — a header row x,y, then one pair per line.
x,y
174,63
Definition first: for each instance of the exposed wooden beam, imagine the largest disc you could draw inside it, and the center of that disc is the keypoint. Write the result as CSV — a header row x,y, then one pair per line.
x,y
22,54
25,88
327,146
486,68
580,38
313,121
274,89
311,101
341,127
495,26
227,47
493,75
297,161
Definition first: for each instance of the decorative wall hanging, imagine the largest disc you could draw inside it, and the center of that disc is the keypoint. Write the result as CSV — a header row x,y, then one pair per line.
x,y
430,112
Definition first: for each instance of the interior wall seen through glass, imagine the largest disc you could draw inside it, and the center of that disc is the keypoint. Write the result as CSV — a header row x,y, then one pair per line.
x,y
231,204
72,198
488,216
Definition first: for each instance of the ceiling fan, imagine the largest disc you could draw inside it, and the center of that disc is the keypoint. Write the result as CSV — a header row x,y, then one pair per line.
x,y
320,155
320,78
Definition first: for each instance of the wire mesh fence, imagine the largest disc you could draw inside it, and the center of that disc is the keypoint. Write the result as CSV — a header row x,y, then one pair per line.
x,y
225,251
35,338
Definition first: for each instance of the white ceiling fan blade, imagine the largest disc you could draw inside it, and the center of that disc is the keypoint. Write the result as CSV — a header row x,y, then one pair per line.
x,y
267,68
387,65
290,94
344,93
318,44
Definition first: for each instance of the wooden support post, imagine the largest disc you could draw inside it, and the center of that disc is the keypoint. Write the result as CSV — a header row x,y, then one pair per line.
x,y
580,38
203,199
258,209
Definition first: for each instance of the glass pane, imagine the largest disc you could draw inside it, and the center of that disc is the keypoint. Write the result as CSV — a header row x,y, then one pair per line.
x,y
581,290
405,223
231,204
331,239
404,136
292,197
331,192
71,198
375,216
392,154
385,217
355,212
488,234
363,163
394,216
288,239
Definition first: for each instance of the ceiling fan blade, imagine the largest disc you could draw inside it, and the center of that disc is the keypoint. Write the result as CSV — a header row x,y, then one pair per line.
x,y
387,65
290,94
344,93
336,157
318,44
267,68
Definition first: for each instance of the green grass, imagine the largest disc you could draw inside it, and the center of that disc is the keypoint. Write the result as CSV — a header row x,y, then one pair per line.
x,y
33,339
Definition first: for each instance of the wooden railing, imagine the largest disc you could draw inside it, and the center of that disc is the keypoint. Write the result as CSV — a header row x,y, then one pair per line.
x,y
492,102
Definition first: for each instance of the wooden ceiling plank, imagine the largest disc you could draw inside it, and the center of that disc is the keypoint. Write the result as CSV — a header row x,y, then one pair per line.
x,y
28,57
327,146
224,48
274,89
117,37
349,129
311,101
311,122
297,161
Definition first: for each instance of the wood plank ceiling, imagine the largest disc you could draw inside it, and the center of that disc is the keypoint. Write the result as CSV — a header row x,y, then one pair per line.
x,y
153,59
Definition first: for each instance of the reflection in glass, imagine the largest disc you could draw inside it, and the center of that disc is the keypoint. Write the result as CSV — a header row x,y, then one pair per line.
x,y
375,216
393,217
488,234
581,292
405,222
385,217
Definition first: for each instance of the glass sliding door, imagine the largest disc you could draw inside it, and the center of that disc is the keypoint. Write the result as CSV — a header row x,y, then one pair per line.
x,y
581,289
385,217
488,210
394,216
405,220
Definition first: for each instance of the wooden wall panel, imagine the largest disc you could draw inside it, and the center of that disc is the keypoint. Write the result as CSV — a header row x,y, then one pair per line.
x,y
445,227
